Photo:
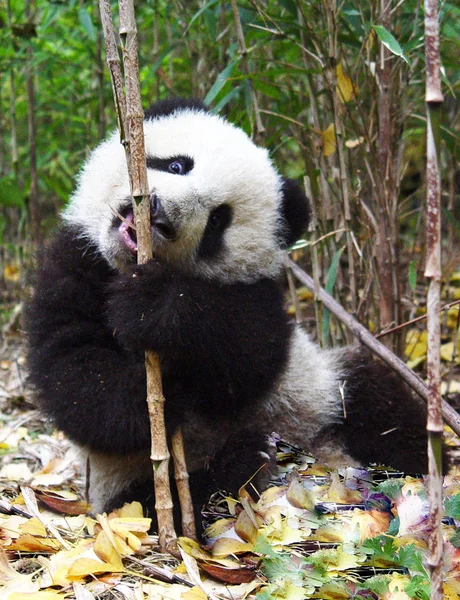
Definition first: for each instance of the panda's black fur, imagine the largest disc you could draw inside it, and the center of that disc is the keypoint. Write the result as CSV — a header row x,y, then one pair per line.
x,y
234,368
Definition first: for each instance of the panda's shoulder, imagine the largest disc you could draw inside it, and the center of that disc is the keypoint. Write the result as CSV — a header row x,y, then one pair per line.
x,y
69,252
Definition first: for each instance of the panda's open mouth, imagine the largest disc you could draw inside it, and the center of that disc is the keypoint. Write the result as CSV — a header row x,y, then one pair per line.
x,y
161,227
127,229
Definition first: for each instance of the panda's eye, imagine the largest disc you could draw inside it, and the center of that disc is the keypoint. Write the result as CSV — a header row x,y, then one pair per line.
x,y
220,218
215,219
177,167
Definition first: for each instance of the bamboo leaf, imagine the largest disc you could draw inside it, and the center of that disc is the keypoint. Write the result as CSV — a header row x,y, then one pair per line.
x,y
330,282
201,11
220,82
412,276
389,41
87,24
226,99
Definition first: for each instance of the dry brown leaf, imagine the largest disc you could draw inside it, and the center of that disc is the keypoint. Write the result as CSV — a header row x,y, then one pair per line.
x,y
219,527
370,522
299,496
59,564
233,576
126,533
89,566
245,527
195,593
42,595
30,543
12,581
11,272
59,503
81,592
340,493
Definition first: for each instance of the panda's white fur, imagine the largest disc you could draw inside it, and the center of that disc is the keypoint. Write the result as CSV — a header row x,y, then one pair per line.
x,y
305,399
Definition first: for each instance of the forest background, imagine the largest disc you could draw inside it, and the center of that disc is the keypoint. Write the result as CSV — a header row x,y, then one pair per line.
x,y
334,90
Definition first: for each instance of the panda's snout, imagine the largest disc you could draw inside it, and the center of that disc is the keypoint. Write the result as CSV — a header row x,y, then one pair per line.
x,y
159,221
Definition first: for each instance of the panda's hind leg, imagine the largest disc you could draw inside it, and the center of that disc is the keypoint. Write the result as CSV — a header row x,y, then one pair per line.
x,y
384,422
247,456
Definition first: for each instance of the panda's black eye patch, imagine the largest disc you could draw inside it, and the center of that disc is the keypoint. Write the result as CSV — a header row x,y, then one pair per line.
x,y
177,165
212,241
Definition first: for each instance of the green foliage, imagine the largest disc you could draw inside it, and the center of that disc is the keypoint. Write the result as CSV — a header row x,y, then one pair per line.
x,y
413,275
391,488
10,194
382,548
419,587
455,539
280,92
276,565
452,507
389,41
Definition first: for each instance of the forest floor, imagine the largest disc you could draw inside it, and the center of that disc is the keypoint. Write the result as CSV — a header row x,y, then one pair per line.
x,y
317,533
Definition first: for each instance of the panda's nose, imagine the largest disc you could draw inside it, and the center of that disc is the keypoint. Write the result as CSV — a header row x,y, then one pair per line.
x,y
159,220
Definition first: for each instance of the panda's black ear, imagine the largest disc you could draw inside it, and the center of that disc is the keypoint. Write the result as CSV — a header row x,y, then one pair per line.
x,y
295,210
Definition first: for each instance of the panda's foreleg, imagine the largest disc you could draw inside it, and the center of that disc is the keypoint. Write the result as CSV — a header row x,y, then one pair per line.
x,y
84,380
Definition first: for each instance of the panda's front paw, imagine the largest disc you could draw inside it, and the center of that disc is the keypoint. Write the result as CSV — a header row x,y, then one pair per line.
x,y
131,304
153,269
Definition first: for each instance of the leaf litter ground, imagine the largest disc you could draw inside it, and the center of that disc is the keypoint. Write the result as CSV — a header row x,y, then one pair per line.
x,y
315,533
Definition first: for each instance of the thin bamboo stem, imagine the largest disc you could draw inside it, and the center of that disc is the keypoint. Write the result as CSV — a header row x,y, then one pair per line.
x,y
130,120
434,99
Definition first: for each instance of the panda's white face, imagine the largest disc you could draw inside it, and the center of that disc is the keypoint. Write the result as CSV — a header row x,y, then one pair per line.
x,y
216,197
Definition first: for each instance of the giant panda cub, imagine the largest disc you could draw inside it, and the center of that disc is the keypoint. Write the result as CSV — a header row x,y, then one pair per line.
x,y
234,368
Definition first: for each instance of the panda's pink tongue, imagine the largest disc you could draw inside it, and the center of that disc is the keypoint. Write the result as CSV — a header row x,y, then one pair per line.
x,y
124,231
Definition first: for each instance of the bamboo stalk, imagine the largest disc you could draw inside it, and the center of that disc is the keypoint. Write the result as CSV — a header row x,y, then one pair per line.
x,y
100,78
13,100
130,118
34,200
386,192
331,79
141,205
434,99
182,483
260,129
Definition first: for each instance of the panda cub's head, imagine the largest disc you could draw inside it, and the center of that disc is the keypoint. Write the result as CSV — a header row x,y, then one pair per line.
x,y
219,208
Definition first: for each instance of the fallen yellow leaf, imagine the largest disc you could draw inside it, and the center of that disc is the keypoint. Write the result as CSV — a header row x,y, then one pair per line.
x,y
226,546
104,549
194,593
89,566
43,595
11,272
